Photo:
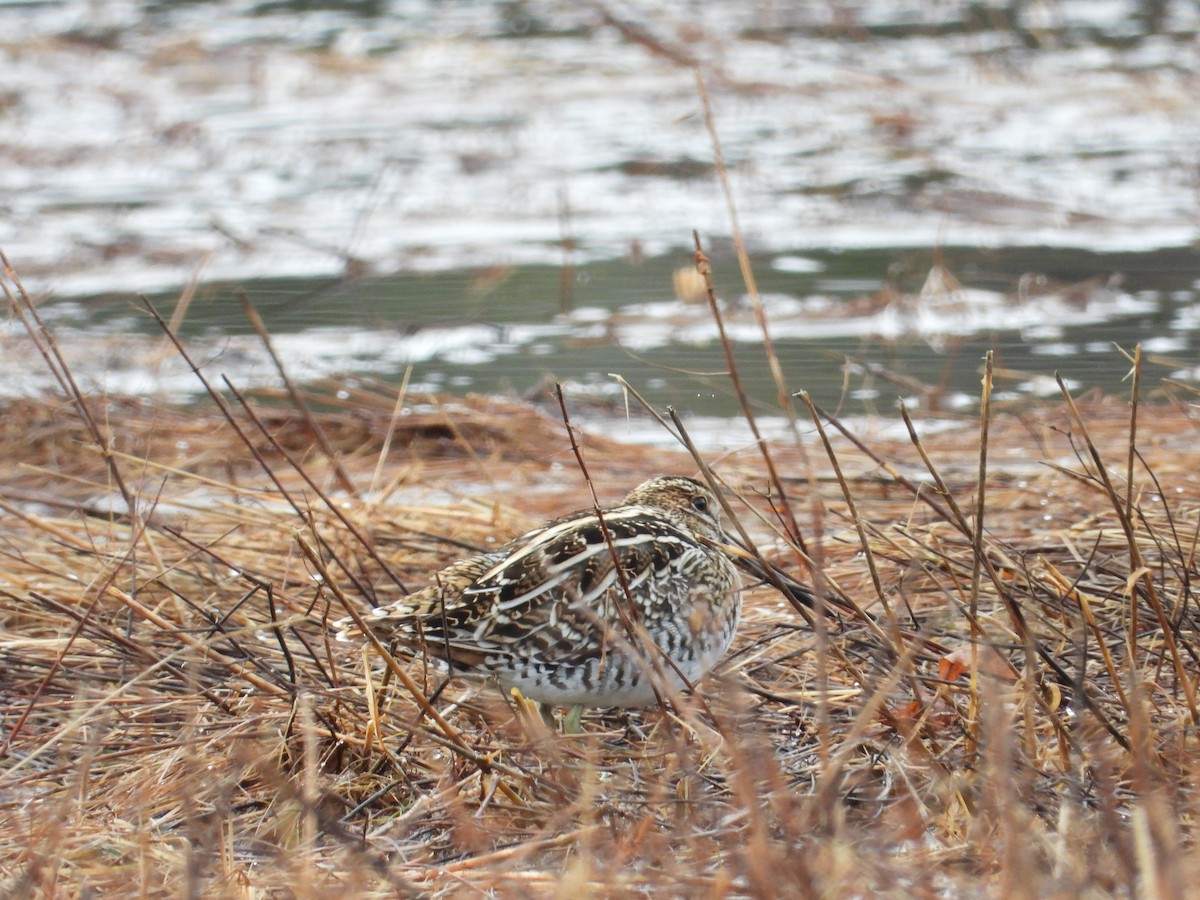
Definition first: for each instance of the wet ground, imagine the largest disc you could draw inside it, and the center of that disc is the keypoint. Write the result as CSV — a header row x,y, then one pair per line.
x,y
501,193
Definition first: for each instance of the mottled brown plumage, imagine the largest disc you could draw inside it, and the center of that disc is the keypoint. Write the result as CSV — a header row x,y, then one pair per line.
x,y
543,613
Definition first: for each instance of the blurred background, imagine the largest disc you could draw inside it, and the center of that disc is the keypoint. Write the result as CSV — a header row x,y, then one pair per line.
x,y
489,196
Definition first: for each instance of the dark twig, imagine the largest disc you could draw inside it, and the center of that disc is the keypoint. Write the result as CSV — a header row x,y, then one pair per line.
x,y
260,328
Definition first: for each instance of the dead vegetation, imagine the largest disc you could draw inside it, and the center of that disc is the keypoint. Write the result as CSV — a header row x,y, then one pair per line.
x,y
1014,713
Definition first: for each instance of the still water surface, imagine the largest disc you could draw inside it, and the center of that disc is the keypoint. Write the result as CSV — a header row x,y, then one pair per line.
x,y
498,194
855,329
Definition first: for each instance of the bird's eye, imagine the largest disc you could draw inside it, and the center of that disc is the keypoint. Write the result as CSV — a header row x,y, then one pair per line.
x,y
700,504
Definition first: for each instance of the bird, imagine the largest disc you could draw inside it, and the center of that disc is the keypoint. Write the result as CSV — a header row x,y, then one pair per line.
x,y
584,610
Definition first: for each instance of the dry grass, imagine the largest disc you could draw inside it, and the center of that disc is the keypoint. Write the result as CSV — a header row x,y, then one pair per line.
x,y
1018,716
175,714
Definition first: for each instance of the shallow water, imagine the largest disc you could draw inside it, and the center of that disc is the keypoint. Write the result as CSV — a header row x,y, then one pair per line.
x,y
855,343
498,194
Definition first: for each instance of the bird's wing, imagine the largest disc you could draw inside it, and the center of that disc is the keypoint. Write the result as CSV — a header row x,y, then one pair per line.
x,y
403,616
555,593
550,594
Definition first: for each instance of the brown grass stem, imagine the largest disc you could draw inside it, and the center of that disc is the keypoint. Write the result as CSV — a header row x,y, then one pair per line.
x,y
227,414
451,733
260,328
360,536
783,394
977,543
43,338
855,517
705,269
657,658
1140,572
1017,616
917,491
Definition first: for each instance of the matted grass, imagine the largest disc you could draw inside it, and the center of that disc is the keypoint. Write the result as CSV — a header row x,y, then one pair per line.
x,y
1010,707
176,715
